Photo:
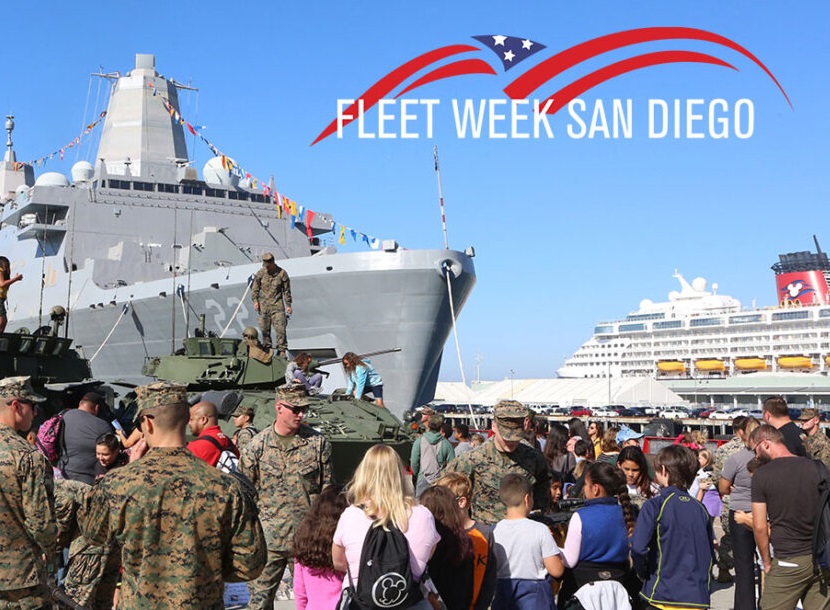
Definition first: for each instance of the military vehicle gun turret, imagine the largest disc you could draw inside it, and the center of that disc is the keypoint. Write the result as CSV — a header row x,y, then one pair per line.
x,y
229,372
57,370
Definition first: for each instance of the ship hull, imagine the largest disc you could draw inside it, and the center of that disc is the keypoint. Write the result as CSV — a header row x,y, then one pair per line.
x,y
360,302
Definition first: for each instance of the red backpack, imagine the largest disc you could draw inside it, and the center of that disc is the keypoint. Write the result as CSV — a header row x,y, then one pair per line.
x,y
48,437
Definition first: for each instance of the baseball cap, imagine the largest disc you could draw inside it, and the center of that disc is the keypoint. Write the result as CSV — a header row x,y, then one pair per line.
x,y
808,413
292,394
510,416
159,394
436,420
267,258
243,410
19,387
627,434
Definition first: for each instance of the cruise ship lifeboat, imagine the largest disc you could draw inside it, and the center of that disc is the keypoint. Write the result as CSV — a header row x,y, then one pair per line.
x,y
671,366
750,364
710,365
795,362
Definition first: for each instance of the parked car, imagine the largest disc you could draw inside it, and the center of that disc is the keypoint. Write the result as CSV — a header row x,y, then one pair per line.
x,y
674,413
756,413
580,412
603,412
633,412
651,410
728,414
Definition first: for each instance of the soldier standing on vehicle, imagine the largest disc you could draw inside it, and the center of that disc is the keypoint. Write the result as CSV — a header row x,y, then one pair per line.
x,y
184,527
28,531
271,293
289,464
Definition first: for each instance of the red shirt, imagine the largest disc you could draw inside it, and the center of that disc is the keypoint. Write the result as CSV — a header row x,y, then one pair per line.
x,y
207,451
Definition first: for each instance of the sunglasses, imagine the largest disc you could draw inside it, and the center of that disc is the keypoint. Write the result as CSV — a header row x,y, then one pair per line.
x,y
293,409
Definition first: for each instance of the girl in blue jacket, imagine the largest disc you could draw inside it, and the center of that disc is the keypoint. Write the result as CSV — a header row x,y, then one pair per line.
x,y
672,545
363,378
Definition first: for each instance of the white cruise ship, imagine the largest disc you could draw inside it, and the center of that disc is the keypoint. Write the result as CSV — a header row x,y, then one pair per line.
x,y
698,333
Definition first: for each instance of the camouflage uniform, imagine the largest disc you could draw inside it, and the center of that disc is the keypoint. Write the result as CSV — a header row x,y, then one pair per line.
x,y
184,527
272,290
243,436
486,466
288,478
27,512
816,444
725,559
93,571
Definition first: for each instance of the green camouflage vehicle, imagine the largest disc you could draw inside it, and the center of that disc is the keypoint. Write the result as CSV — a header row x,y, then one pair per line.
x,y
228,371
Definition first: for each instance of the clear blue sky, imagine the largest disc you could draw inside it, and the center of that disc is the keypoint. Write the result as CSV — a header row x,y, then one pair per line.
x,y
567,231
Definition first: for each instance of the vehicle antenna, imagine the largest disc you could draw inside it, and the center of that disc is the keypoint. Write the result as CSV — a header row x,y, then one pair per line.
x,y
441,198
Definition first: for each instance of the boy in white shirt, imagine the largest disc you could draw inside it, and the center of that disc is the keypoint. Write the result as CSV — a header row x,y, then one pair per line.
x,y
526,554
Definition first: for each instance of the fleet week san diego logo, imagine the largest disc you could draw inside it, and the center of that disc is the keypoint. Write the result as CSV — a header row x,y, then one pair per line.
x,y
525,111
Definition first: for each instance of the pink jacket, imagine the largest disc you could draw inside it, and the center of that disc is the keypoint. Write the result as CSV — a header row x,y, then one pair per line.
x,y
316,588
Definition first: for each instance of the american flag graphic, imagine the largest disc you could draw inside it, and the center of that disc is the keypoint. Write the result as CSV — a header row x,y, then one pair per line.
x,y
443,63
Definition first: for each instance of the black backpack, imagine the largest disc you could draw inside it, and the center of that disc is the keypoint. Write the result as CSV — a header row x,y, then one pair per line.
x,y
821,526
385,579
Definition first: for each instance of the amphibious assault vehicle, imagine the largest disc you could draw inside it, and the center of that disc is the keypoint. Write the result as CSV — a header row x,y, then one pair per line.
x,y
230,371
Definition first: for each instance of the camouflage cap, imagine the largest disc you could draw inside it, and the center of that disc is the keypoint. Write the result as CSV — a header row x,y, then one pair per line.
x,y
292,394
243,410
510,416
807,414
159,394
267,258
20,388
436,420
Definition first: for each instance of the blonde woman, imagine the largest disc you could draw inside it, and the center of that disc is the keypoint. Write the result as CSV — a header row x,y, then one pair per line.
x,y
381,495
6,280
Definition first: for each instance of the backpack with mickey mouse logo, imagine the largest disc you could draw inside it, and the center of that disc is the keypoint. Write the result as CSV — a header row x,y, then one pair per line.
x,y
385,580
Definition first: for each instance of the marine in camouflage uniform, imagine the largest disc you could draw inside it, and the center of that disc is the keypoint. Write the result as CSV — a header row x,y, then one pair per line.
x,y
184,527
815,440
725,560
93,571
289,464
487,464
271,293
27,507
247,432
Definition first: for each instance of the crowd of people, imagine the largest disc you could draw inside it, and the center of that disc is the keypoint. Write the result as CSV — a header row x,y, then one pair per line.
x,y
168,523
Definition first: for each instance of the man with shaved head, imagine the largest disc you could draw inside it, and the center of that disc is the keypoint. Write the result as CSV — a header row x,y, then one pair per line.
x,y
210,441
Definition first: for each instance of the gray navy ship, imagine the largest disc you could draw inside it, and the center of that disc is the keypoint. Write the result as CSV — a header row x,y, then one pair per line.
x,y
137,247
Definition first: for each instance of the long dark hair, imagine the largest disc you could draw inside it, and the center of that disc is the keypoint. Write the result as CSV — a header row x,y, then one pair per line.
x,y
556,444
5,268
612,481
577,428
312,539
351,361
634,454
449,522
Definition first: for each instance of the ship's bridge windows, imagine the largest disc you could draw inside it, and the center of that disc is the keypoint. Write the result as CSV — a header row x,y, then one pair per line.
x,y
667,324
748,319
630,328
119,184
791,315
143,186
168,188
604,330
645,316
222,194
239,195
257,198
824,313
705,322
191,189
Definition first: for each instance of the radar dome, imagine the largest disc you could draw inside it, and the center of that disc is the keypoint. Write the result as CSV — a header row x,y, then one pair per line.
x,y
646,303
673,295
699,284
52,179
82,171
214,173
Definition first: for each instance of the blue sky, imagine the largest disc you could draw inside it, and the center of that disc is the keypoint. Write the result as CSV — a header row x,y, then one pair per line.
x,y
567,231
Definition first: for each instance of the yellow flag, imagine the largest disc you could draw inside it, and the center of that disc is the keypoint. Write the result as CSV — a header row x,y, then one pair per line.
x,y
342,239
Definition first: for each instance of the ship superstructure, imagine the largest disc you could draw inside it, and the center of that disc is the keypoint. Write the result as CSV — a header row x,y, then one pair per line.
x,y
139,247
698,333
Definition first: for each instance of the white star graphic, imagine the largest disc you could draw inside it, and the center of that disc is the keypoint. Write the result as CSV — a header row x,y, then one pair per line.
x,y
499,40
509,56
526,44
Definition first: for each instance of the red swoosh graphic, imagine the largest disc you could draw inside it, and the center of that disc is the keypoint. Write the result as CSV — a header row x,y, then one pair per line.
x,y
458,68
569,92
543,72
385,85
